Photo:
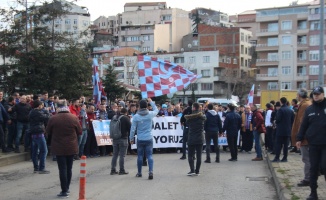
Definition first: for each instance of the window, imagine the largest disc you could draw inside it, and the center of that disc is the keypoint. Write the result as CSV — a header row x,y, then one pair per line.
x,y
67,21
272,41
286,39
130,75
272,72
272,86
246,50
302,71
192,59
242,37
314,40
286,70
313,84
302,55
146,49
146,37
314,11
85,23
166,17
313,70
272,56
286,86
207,86
235,61
206,73
286,25
206,59
314,55
193,71
314,25
272,27
75,21
193,86
246,63
302,39
58,21
179,60
286,55
242,49
302,24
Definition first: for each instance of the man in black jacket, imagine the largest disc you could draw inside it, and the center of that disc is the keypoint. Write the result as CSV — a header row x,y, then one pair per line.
x,y
184,123
195,122
284,121
313,128
232,125
38,117
120,146
213,126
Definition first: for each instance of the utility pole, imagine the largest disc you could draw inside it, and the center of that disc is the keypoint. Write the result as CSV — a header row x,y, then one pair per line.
x,y
321,45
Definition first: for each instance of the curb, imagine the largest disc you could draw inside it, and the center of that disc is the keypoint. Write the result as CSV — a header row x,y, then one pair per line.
x,y
11,158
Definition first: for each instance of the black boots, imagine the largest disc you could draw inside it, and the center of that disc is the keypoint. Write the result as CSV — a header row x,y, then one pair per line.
x,y
313,195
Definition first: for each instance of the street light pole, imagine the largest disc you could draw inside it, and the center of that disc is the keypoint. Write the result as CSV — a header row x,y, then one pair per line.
x,y
321,45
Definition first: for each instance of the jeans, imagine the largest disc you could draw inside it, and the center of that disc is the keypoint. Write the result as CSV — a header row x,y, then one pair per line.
x,y
282,142
317,154
257,144
305,159
191,153
184,140
120,147
65,171
232,143
20,127
247,140
39,143
208,137
269,138
81,142
147,146
11,133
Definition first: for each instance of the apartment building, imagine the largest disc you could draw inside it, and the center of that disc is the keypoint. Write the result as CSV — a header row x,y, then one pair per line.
x,y
212,17
287,47
150,27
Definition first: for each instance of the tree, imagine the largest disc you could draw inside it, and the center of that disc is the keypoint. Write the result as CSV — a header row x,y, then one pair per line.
x,y
243,85
112,87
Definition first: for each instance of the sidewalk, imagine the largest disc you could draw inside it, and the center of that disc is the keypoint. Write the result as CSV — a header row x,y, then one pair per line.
x,y
287,175
12,157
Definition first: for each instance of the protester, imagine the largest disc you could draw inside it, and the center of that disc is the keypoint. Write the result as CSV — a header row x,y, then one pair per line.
x,y
269,128
284,121
185,126
83,137
4,118
247,135
213,126
195,121
12,126
142,121
91,144
305,102
64,128
313,128
37,118
258,128
120,146
232,125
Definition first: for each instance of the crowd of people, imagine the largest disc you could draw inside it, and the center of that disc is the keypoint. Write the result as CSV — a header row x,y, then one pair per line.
x,y
39,121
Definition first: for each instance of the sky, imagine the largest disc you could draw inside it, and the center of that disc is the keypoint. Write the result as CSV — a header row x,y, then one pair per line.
x,y
112,7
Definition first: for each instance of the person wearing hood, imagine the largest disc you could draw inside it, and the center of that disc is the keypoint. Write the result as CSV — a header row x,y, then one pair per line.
x,y
313,128
213,126
142,122
196,122
232,125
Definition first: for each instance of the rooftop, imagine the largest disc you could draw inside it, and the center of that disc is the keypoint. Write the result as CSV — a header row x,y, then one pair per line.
x,y
144,4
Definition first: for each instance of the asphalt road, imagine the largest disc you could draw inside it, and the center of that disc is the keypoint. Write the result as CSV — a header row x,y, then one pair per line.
x,y
244,179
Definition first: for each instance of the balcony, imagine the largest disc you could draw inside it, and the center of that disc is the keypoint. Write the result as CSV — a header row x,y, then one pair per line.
x,y
302,45
302,76
266,47
302,61
130,43
302,30
267,77
137,32
267,62
315,17
267,18
266,32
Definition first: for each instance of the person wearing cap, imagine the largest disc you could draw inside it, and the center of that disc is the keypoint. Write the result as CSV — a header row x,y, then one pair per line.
x,y
232,126
258,128
304,102
142,122
284,121
163,111
64,128
313,128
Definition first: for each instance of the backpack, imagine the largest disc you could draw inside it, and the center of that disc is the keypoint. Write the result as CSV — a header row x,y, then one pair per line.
x,y
115,127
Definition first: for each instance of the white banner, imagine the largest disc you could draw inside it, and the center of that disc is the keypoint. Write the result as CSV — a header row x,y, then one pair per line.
x,y
167,132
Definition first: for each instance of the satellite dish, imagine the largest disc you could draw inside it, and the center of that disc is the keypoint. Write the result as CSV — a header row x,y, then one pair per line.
x,y
182,49
189,46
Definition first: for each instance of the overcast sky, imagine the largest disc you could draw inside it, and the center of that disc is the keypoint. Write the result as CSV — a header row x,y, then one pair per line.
x,y
113,7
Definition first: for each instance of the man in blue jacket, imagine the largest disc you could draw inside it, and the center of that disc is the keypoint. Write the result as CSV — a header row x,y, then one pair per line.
x,y
142,122
213,126
284,121
232,125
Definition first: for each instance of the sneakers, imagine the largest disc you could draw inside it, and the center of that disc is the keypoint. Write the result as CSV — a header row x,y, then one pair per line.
x,y
35,171
43,171
150,176
114,172
232,159
183,158
275,160
63,195
217,160
138,175
207,161
191,174
257,159
123,172
197,174
303,183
